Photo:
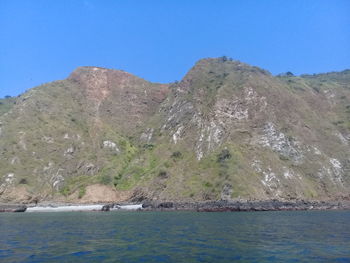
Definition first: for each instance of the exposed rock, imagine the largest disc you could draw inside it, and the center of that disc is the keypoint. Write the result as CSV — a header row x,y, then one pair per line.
x,y
280,143
147,135
12,208
111,145
236,206
226,192
69,152
47,139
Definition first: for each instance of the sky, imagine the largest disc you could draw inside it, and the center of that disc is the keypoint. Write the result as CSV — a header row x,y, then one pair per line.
x,y
160,40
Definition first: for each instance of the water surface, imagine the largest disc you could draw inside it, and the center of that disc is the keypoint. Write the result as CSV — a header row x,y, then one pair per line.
x,y
294,236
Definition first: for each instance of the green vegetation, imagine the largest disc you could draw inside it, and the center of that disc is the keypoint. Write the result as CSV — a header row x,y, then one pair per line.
x,y
23,181
66,190
223,156
176,155
105,179
82,192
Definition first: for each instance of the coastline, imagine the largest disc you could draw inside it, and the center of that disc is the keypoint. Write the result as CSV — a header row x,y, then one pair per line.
x,y
247,206
208,206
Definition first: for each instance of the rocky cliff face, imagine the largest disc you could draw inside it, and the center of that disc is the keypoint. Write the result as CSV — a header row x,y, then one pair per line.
x,y
226,131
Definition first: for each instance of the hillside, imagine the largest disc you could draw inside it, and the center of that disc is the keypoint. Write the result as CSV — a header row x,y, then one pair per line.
x,y
226,131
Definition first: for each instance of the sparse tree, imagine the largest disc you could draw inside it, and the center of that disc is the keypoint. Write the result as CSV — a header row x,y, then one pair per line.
x,y
223,58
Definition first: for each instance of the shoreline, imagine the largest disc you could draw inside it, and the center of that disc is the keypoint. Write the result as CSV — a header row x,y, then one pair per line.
x,y
209,206
247,206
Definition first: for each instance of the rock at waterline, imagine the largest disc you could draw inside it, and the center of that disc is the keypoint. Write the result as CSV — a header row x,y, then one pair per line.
x,y
12,208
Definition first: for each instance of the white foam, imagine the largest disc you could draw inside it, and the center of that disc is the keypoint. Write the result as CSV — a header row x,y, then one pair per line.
x,y
68,208
127,207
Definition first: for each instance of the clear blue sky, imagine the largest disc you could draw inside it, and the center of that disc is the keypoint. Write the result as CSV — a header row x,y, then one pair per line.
x,y
42,41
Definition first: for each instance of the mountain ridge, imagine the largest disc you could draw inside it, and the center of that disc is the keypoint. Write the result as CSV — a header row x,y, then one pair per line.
x,y
226,131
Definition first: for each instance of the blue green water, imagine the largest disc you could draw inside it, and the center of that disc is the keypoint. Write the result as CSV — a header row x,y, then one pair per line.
x,y
298,236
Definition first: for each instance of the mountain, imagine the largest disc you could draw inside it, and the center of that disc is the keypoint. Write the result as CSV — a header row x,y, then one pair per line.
x,y
226,131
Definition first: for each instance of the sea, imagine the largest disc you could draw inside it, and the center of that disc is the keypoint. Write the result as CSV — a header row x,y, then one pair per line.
x,y
280,236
